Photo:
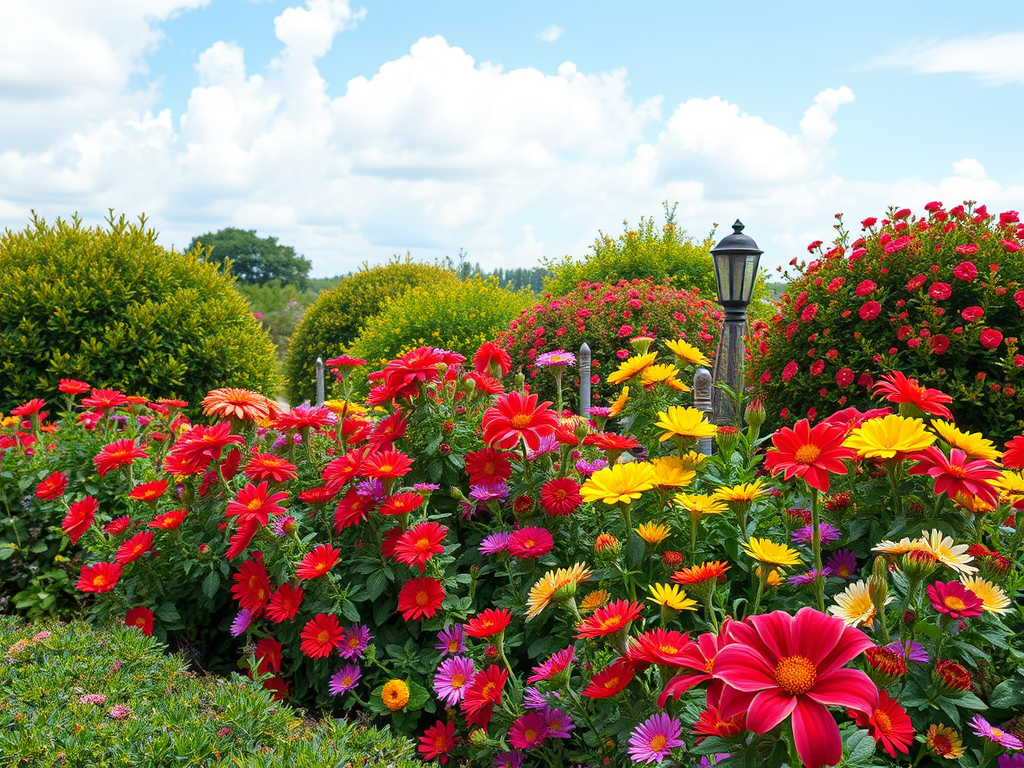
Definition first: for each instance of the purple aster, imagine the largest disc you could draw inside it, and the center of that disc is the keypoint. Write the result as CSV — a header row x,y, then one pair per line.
x,y
495,543
806,578
449,640
842,563
548,443
283,525
1011,761
559,723
452,679
474,511
828,533
986,730
241,622
426,487
587,468
487,491
354,641
344,680
558,358
371,489
910,651
652,739
513,759
599,411
534,699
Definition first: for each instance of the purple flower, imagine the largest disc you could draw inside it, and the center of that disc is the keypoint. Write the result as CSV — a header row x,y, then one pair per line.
x,y
495,543
92,698
806,578
513,759
587,468
559,723
599,411
283,525
344,680
452,679
805,535
241,622
548,443
558,358
652,739
1011,761
487,491
534,699
426,487
449,640
474,511
843,563
354,641
986,730
371,489
910,651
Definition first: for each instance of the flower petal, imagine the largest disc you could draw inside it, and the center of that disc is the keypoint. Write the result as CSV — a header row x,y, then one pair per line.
x,y
846,688
743,668
775,631
816,735
815,634
768,709
851,644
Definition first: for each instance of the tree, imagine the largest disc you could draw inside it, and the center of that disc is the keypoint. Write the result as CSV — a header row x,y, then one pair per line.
x,y
255,260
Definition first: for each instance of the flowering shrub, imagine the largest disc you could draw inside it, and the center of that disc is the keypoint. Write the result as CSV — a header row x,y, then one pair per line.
x,y
607,317
940,298
111,305
498,582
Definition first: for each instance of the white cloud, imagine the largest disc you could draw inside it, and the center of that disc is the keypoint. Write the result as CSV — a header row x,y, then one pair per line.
x,y
550,34
998,59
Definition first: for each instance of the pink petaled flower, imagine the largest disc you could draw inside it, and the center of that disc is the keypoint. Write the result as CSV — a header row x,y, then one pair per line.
x,y
990,338
119,712
92,698
452,678
344,680
986,730
790,370
870,310
652,739
530,542
865,287
954,600
528,731
966,270
794,666
558,663
956,475
940,291
970,314
967,249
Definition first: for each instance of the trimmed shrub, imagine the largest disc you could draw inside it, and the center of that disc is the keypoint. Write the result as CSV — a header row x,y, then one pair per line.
x,y
112,307
338,316
606,317
73,695
940,298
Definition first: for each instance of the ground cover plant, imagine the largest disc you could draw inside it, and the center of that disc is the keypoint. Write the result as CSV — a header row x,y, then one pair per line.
x,y
940,298
74,695
488,576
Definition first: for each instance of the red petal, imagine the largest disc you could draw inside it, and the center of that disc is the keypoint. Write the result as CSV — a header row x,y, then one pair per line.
x,y
815,634
743,668
851,644
768,709
846,688
816,734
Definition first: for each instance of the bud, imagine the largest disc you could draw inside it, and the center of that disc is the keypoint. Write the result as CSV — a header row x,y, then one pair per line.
x,y
564,594
519,381
798,517
582,429
726,438
909,618
919,564
641,344
522,506
755,415
878,585
885,666
950,679
457,493
607,547
838,502
671,558
478,737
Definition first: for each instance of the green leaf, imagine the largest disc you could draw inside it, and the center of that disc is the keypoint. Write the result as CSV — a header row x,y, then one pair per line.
x,y
969,701
211,584
349,611
417,696
375,585
635,549
1009,694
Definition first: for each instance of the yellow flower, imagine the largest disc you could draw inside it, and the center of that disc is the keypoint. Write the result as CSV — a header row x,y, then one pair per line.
x,y
971,443
770,553
349,408
555,586
678,421
671,596
692,460
672,472
395,694
620,403
654,374
593,601
946,552
744,493
631,367
619,483
699,504
973,504
687,352
677,385
943,741
900,547
993,599
10,421
1011,486
854,605
774,579
653,533
885,437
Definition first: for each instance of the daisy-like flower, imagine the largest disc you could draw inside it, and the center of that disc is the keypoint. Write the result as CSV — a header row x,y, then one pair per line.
x,y
827,532
452,679
560,496
513,759
898,389
620,402
956,476
558,358
993,599
771,553
168,521
1011,489
946,552
52,487
971,443
104,399
657,373
682,422
620,483
688,353
149,492
554,666
386,465
672,472
910,651
560,724
528,731
252,586
495,543
889,725
1013,457
488,623
135,547
594,600
253,503
889,437
243,404
631,367
664,647
609,620
437,741
516,417
484,691
702,573
395,694
420,543
318,561
854,605
241,622
985,730
344,680
141,618
944,742
449,641
842,563
354,641
99,577
652,740
120,453
699,505
267,466
671,596
79,518
811,454
554,587
531,542
284,603
610,680
954,600
321,635
420,598
741,494
653,533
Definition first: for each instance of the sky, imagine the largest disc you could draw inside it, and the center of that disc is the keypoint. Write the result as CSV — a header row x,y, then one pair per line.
x,y
513,132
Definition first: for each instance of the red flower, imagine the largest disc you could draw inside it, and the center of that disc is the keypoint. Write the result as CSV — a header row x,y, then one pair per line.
x,y
609,619
610,441
339,471
420,543
351,510
72,387
420,598
939,344
168,521
610,680
52,487
809,453
390,541
284,603
1013,458
483,692
889,725
303,417
29,408
252,503
865,287
794,666
438,740
315,497
956,475
487,466
492,360
844,377
321,636
531,542
560,496
383,436
954,600
990,338
488,623
388,465
79,518
940,291
135,547
514,417
790,370
267,466
120,453
268,656
401,503
870,310
318,562
664,647
104,399
149,491
900,390
196,448
118,525
99,577
142,618
252,587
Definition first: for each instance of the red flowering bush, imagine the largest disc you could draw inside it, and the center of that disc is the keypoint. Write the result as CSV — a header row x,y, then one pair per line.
x,y
940,298
607,317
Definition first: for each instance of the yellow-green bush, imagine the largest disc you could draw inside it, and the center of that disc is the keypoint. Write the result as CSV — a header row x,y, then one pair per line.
x,y
337,317
110,306
459,316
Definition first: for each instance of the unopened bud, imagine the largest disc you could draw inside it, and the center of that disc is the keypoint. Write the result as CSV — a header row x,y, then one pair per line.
x,y
755,415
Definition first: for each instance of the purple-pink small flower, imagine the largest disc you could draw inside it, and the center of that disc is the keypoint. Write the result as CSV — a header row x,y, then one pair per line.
x,y
283,525
599,411
41,635
806,578
557,358
513,759
497,491
371,489
241,622
92,698
587,468
560,724
842,563
652,739
450,641
119,712
828,533
225,731
452,679
910,651
426,487
344,680
528,731
354,641
495,543
984,729
534,699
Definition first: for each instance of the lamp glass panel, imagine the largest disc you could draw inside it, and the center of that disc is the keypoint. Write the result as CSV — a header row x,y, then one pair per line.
x,y
749,276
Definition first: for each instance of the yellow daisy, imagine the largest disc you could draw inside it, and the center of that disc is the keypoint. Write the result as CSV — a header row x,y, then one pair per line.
x,y
671,596
554,586
619,483
677,385
688,353
699,504
949,554
770,553
678,421
631,367
620,403
854,605
693,459
672,472
971,443
944,742
653,533
885,437
1011,486
348,408
593,600
744,493
654,374
993,599
774,579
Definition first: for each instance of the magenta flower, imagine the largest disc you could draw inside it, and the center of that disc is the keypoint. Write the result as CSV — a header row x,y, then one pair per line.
x,y
528,731
910,651
513,759
828,533
452,678
241,622
344,680
652,739
560,724
495,543
449,641
555,358
558,663
986,730
843,563
354,641
489,491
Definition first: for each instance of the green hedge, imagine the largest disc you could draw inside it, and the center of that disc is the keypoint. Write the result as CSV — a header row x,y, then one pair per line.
x,y
175,718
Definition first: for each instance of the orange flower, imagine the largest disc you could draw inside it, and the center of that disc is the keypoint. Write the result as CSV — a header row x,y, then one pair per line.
x,y
610,619
244,404
698,574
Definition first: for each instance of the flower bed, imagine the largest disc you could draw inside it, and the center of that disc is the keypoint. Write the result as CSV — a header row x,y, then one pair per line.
x,y
496,582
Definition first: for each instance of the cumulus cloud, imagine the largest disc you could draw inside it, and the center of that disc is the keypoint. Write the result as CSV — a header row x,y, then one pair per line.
x,y
550,34
997,59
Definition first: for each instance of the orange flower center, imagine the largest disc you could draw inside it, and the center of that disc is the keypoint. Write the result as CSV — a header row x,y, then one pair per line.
x,y
99,580
422,598
457,681
530,734
709,666
520,420
346,681
611,682
385,468
658,743
489,468
441,742
668,648
453,646
324,637
560,494
954,603
795,675
883,721
807,454
255,504
488,690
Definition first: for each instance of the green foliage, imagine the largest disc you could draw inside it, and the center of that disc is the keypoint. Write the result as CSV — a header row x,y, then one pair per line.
x,y
922,296
253,259
337,317
111,307
176,718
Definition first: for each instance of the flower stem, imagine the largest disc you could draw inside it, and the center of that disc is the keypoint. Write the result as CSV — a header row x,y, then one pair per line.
x,y
819,583
765,573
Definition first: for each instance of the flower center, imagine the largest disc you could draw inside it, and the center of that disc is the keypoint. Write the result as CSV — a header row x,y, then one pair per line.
x,y
488,690
422,598
611,682
807,454
520,420
883,721
795,675
530,734
458,681
346,681
489,468
954,603
709,666
324,637
658,743
941,745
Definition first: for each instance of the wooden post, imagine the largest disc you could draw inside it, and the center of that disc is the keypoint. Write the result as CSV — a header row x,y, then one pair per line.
x,y
584,378
702,391
319,381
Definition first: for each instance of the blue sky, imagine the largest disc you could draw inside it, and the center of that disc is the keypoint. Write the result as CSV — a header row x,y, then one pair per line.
x,y
358,130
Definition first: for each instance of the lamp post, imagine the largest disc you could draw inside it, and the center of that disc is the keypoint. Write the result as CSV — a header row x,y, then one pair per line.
x,y
736,259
